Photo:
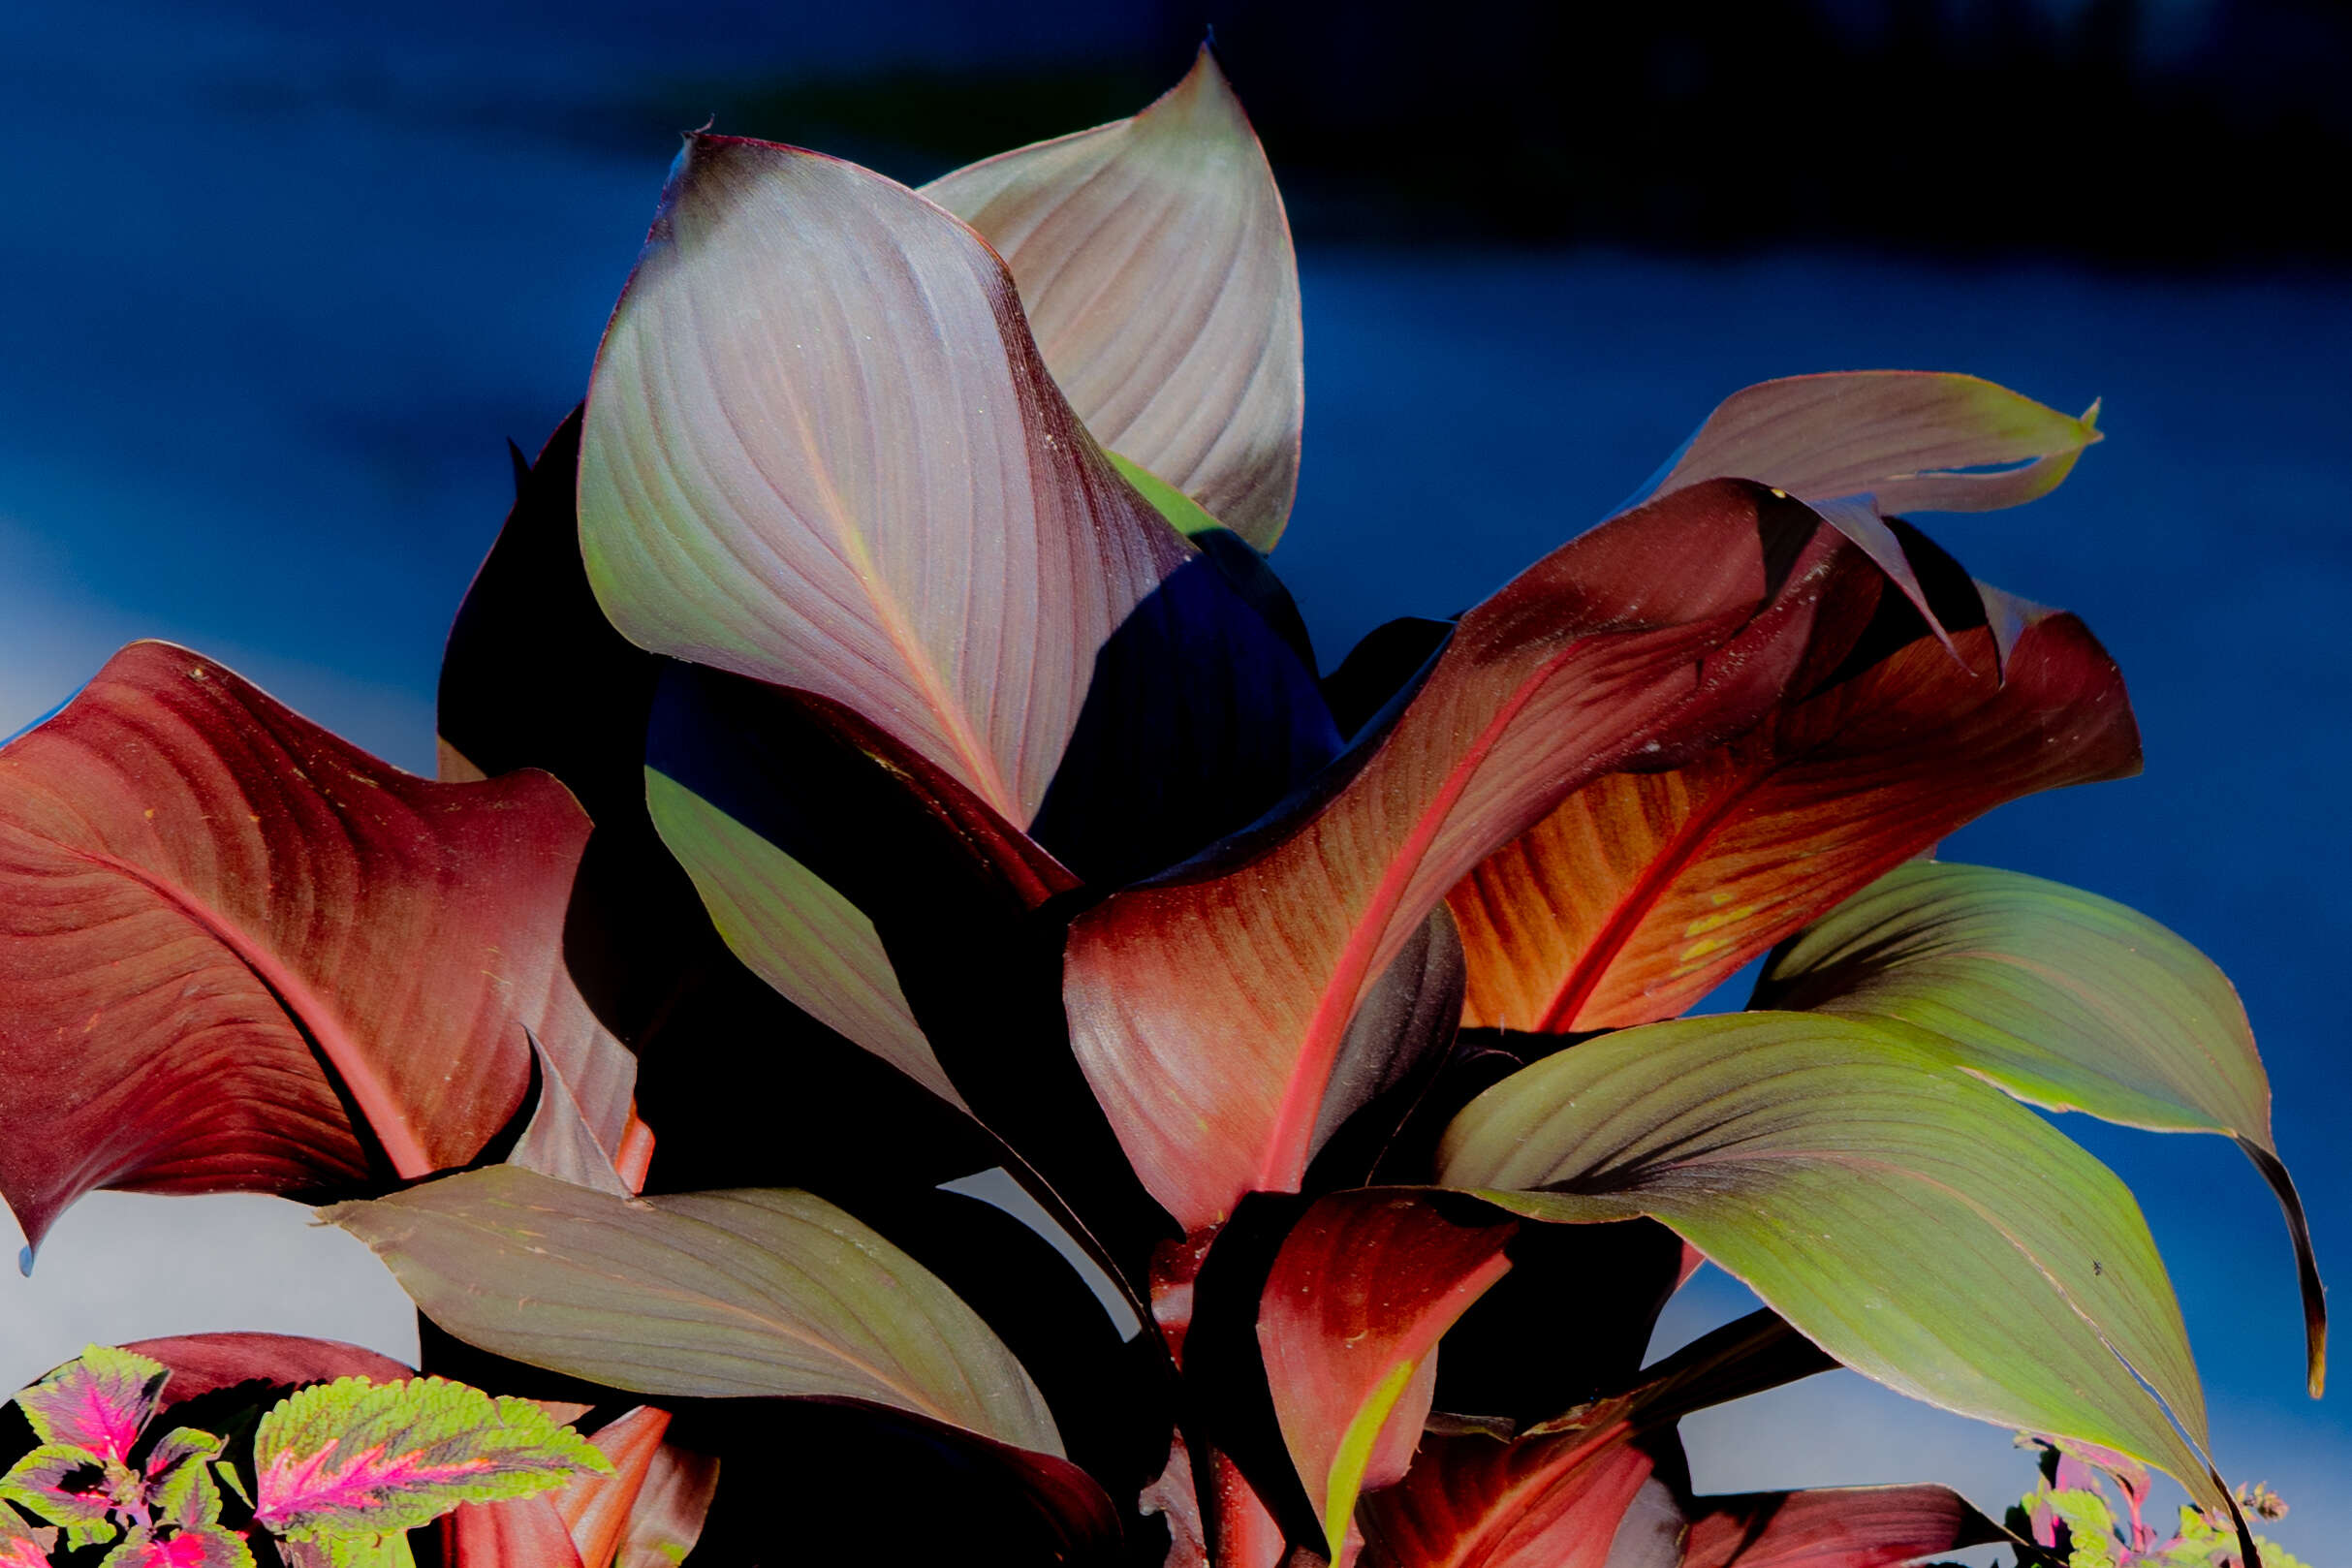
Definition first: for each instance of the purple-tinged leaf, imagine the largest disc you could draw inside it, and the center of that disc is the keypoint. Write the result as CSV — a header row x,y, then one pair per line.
x,y
561,1142
220,925
1473,1501
202,1364
353,1459
1154,263
23,1545
2065,1000
177,1474
596,1508
714,1294
821,449
671,1506
1208,1009
72,1489
1912,440
98,1402
1833,1527
1360,1292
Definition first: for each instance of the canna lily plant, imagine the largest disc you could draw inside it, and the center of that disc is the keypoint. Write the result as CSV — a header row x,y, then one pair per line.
x,y
1123,1094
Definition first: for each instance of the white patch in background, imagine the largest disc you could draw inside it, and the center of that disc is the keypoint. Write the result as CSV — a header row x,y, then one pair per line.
x,y
120,1266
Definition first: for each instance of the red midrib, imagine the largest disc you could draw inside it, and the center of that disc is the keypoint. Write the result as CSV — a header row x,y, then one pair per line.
x,y
1680,853
401,1140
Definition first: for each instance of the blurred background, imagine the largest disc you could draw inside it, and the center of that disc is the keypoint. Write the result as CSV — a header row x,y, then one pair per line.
x,y
281,279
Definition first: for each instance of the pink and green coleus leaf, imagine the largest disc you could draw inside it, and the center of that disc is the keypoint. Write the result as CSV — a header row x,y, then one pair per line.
x,y
1154,264
1915,1222
179,1484
205,1546
69,1487
223,930
23,1545
1348,1325
99,1402
357,1458
2065,1000
821,450
712,1294
1208,1008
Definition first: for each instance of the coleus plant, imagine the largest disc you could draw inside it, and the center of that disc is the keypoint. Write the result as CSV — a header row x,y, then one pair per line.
x,y
1124,1094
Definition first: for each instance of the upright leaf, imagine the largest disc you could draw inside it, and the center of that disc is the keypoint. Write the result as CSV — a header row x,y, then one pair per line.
x,y
1912,440
2064,998
709,1293
351,1459
220,925
596,1508
520,1532
1363,1286
1644,890
821,449
1919,1225
1154,263
671,1506
560,1142
1208,1009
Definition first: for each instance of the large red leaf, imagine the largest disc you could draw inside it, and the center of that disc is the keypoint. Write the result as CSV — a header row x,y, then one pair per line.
x,y
1363,1286
202,1364
238,951
1838,1528
1155,265
1207,1011
1643,891
820,449
1473,1501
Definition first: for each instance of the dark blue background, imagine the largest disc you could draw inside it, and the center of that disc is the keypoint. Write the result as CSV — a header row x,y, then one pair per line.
x,y
277,286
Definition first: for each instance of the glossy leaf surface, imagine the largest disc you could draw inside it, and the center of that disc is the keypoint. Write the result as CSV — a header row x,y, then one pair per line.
x,y
1155,265
821,449
1833,1527
1919,1225
754,1292
1363,1286
1208,1011
1912,440
1644,890
2065,1000
220,923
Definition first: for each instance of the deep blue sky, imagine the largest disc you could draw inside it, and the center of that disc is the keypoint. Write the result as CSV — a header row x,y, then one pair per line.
x,y
279,288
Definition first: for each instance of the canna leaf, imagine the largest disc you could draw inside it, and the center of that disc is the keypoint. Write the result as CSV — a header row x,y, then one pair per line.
x,y
1911,440
520,1532
821,449
1919,1225
219,926
202,1364
1643,891
2065,1000
1208,1008
671,1506
1833,1527
714,1294
596,1508
354,1459
1154,263
560,1141
1361,1290
99,1402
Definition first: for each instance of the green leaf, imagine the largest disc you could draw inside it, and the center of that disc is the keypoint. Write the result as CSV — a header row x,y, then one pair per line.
x,y
179,1485
719,1294
353,1460
1919,1225
2065,1000
70,1488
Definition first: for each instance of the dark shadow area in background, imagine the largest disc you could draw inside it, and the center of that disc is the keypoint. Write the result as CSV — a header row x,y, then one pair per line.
x,y
2127,131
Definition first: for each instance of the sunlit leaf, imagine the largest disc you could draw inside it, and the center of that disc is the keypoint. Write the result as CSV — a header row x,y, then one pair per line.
x,y
1154,263
1643,891
2064,998
821,449
1363,1286
1919,1225
221,925
714,1294
1208,1009
1912,440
